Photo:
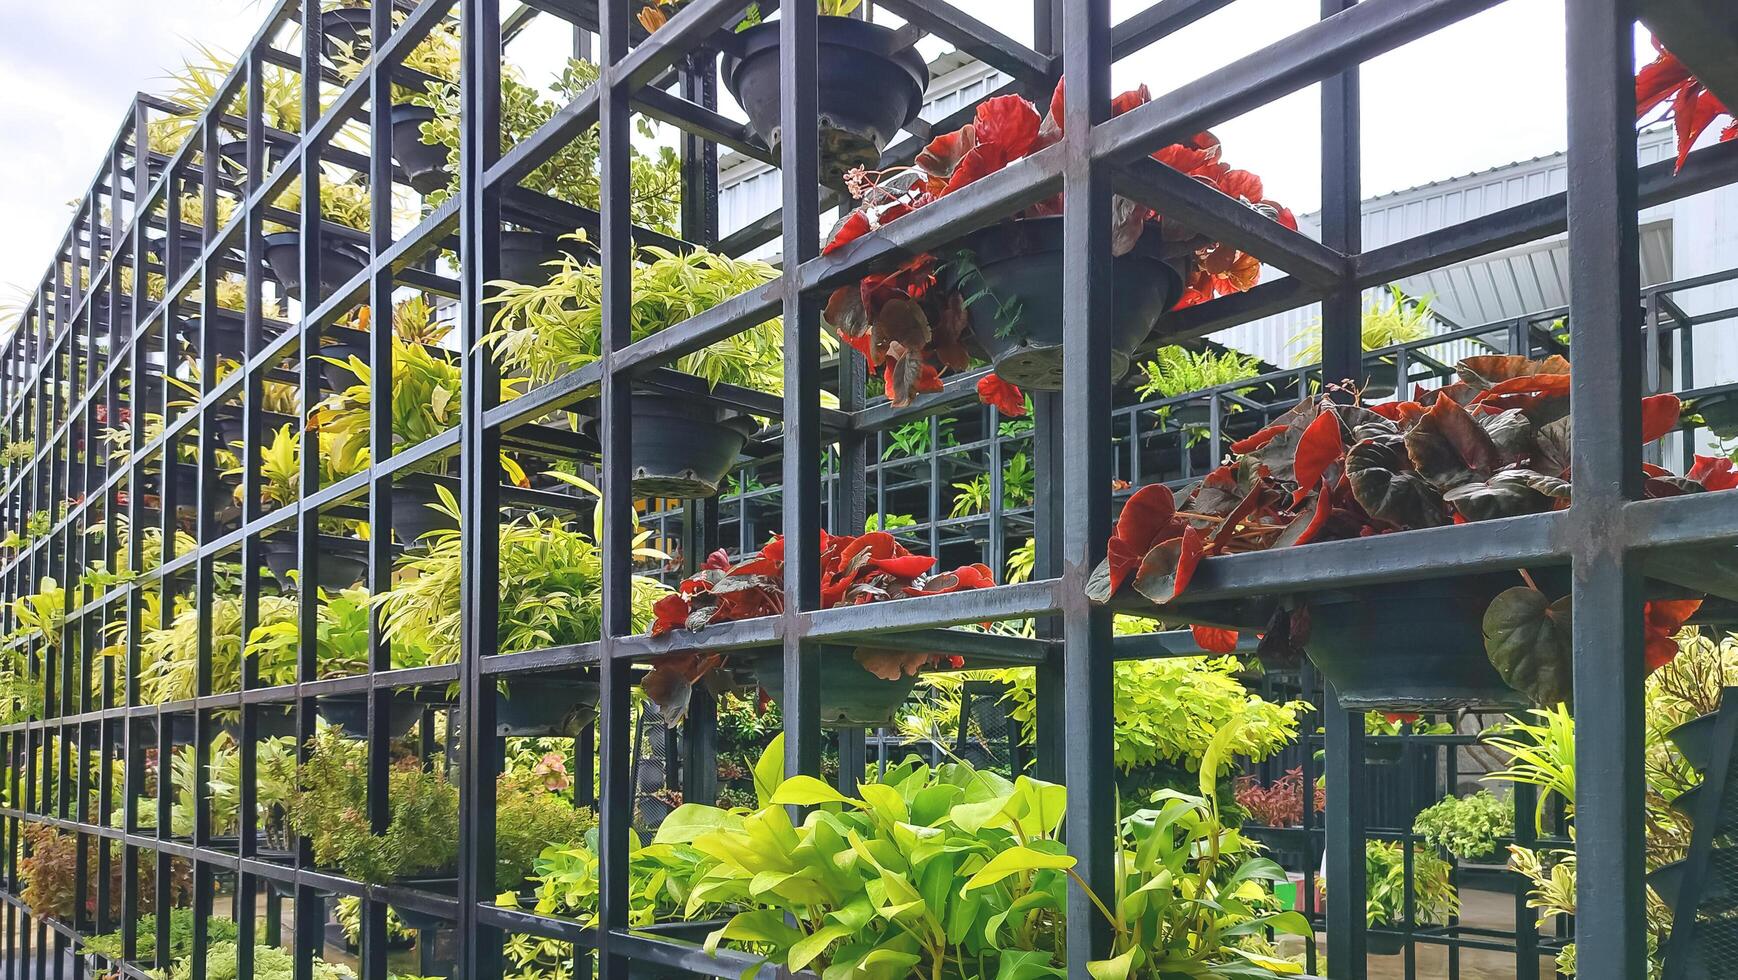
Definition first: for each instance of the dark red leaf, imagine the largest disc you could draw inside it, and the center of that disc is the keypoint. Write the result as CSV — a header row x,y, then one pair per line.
x,y
669,613
1007,398
1145,518
1659,415
1008,122
1215,640
907,567
1259,439
1165,571
944,152
1664,618
855,226
983,160
1320,447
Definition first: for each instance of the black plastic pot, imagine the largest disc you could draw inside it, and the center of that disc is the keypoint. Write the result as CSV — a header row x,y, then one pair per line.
x,y
1384,753
350,713
1695,739
233,150
1286,846
545,707
653,811
1689,804
227,332
412,512
343,561
340,262
341,344
1668,881
867,90
1021,261
525,255
347,27
425,165
422,921
1385,943
231,425
851,697
189,246
683,447
1414,647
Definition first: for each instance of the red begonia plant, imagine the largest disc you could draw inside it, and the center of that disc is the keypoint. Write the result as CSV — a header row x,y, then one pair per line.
x,y
872,567
1694,108
911,326
1493,444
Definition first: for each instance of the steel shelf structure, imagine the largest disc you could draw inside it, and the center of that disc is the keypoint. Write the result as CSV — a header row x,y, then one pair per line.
x,y
91,346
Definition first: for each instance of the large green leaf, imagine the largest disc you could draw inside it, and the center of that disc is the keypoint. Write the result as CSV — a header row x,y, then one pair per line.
x,y
690,820
1015,860
1528,639
802,790
1117,968
769,772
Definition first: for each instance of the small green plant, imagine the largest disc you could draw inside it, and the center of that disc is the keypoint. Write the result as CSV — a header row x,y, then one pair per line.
x,y
1434,898
544,330
1402,319
1393,723
197,82
1175,371
1467,827
347,912
912,439
108,944
328,809
269,963
888,522
1019,488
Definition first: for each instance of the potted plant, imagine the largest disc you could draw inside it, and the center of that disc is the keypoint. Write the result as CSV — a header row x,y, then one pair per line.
x,y
343,558
196,83
1434,898
571,175
1175,371
347,29
1383,745
1468,827
343,253
868,86
1275,812
1491,445
862,691
551,595
997,291
415,145
1399,320
682,446
109,945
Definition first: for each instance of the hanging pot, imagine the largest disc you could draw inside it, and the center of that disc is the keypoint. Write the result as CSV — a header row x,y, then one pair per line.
x,y
233,150
343,561
231,425
1020,261
682,446
423,921
425,164
189,249
867,90
1688,803
1414,647
349,712
525,255
1385,943
1384,753
347,30
851,697
1717,896
340,344
544,707
1695,739
340,262
413,513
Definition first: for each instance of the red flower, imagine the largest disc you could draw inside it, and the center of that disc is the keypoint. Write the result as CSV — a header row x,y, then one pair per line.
x,y
1006,398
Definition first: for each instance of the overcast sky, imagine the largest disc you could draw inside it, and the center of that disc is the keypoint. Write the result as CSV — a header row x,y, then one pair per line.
x,y
1483,93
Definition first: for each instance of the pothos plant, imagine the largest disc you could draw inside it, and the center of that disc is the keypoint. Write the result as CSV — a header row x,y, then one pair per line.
x,y
1493,444
911,323
872,567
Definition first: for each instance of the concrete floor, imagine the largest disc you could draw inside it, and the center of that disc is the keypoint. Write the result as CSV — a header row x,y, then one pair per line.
x,y
1484,909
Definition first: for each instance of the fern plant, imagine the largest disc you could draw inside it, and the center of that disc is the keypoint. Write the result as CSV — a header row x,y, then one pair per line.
x,y
1175,371
1402,319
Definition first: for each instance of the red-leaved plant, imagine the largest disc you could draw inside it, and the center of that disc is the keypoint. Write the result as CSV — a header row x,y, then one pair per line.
x,y
1694,108
1493,444
911,326
872,567
1280,803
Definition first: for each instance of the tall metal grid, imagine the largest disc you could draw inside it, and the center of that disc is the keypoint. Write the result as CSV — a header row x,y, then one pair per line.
x,y
84,353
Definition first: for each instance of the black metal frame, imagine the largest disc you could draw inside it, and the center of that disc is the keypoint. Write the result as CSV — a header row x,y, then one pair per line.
x,y
64,341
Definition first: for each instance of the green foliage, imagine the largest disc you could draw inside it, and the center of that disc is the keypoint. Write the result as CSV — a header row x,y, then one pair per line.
x,y
1541,754
329,809
269,963
347,912
888,522
1401,319
1177,371
544,330
1466,827
1434,897
1171,710
343,453
551,587
913,438
1021,562
197,82
1019,488
1383,723
571,175
108,944
529,819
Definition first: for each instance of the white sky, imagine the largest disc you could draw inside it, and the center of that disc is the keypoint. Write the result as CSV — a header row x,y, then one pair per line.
x,y
1483,93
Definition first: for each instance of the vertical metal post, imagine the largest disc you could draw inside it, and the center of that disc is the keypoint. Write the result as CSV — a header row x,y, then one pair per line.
x,y
1342,358
480,484
1086,398
799,159
1605,333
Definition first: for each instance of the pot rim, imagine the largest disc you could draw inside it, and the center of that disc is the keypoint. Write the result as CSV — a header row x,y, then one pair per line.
x,y
869,38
